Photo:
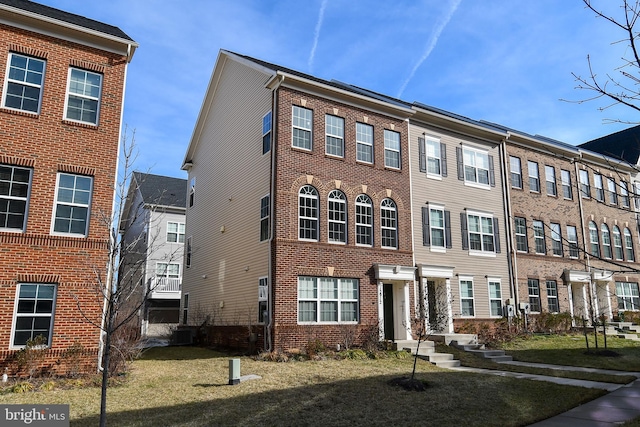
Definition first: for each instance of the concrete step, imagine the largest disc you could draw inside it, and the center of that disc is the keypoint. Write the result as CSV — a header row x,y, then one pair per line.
x,y
503,358
448,364
487,353
466,347
439,357
632,337
621,325
412,344
632,328
460,338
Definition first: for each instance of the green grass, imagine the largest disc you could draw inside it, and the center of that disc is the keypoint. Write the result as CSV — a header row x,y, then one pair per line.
x,y
188,387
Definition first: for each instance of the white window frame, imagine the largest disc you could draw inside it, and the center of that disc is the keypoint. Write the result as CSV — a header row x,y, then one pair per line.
x,y
265,212
433,156
188,253
14,197
302,122
520,231
572,239
585,187
515,167
185,309
337,217
464,296
334,135
267,126
436,228
388,224
618,250
82,96
364,220
533,171
364,143
627,294
533,306
594,239
34,314
392,155
73,204
598,186
624,194
309,195
495,297
567,190
178,233
483,251
167,270
552,294
24,84
473,171
606,241
550,180
611,189
540,247
263,299
629,252
556,239
320,293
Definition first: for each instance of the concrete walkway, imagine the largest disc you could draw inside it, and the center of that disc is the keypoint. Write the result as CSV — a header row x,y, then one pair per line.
x,y
621,404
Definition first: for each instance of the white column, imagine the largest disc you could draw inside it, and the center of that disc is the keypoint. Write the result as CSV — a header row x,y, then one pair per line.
x,y
380,310
571,310
406,312
449,307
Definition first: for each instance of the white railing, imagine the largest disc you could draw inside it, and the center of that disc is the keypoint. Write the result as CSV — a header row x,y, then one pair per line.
x,y
166,285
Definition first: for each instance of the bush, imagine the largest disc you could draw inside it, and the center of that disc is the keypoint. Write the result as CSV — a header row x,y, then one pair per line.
x,y
32,355
314,348
550,322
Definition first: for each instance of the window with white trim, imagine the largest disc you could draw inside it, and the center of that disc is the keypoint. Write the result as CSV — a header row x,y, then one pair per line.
x,y
495,298
165,270
364,143
606,241
83,96
594,239
515,168
476,166
467,303
611,189
572,240
192,191
328,300
263,298
302,119
552,296
585,188
624,194
597,184
628,296
389,224
266,132
534,295
73,199
437,227
481,232
550,179
538,236
308,213
187,253
434,156
23,83
337,217
334,130
522,242
33,313
265,225
15,183
628,245
556,239
534,176
185,309
175,232
392,149
617,243
364,220
567,191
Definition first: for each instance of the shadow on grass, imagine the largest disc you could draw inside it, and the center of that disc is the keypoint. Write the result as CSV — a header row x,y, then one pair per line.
x,y
452,399
179,353
618,359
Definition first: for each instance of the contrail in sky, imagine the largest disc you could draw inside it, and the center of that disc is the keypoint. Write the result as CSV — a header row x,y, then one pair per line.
x,y
316,35
432,43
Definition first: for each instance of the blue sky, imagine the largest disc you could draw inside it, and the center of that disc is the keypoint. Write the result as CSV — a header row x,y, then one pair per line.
x,y
504,61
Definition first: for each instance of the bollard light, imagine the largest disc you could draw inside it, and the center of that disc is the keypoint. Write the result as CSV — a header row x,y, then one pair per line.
x,y
234,371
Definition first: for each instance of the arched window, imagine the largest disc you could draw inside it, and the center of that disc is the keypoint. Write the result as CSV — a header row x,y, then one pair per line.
x,y
628,245
593,239
389,224
337,213
606,241
617,243
308,213
364,220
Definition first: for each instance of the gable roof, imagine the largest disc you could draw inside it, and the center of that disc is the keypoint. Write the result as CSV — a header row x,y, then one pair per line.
x,y
162,190
624,144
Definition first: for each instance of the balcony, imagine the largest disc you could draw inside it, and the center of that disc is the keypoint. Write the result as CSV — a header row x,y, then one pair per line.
x,y
165,288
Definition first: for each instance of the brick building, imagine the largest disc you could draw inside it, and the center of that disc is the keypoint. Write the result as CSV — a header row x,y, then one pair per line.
x,y
63,80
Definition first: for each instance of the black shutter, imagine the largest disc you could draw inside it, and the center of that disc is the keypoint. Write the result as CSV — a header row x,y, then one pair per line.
x,y
492,172
496,235
459,160
447,229
426,236
443,159
463,227
422,153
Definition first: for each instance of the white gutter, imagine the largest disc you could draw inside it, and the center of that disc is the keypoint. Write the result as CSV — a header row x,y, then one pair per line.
x,y
506,199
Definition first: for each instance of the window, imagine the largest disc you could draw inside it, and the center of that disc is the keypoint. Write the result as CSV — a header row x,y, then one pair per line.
x,y
192,191
585,189
617,243
364,220
337,217
594,243
482,232
556,239
167,270
566,184
364,143
572,239
538,235
466,297
389,223
265,229
187,255
391,149
628,298
185,309
23,84
263,297
33,314
522,244
334,129
495,298
266,133
534,177
606,241
597,184
628,245
624,194
534,295
516,172
14,197
73,196
636,195
83,96
175,232
327,300
476,166
436,227
550,178
552,296
433,156
301,132
308,213
613,195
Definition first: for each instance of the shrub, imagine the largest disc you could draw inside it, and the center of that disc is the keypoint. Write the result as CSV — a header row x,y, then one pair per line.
x,y
314,347
23,387
550,322
72,357
32,355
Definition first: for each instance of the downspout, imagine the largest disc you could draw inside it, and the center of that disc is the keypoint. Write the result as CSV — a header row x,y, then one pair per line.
x,y
114,220
506,199
416,293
